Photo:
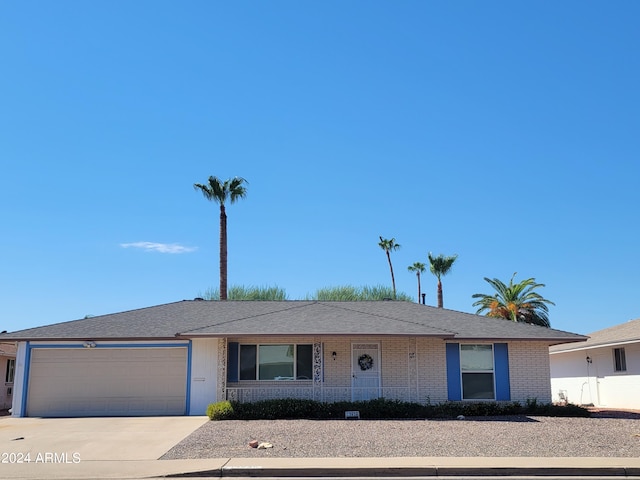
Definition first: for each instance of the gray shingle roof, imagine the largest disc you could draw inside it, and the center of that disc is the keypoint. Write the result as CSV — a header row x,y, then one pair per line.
x,y
189,318
623,333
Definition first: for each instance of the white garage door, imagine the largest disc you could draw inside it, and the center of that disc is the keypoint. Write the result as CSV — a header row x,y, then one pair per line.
x,y
107,382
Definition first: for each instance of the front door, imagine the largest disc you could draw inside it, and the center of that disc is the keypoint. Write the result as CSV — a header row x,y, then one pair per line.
x,y
365,371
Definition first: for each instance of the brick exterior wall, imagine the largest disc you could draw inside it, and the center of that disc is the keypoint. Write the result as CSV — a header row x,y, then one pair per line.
x,y
529,371
412,369
432,372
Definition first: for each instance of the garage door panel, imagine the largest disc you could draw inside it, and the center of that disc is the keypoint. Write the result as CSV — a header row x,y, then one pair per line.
x,y
107,381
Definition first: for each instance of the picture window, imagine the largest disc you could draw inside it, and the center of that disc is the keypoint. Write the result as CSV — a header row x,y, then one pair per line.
x,y
276,362
476,364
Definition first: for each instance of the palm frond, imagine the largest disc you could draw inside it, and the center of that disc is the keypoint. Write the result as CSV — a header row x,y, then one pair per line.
x,y
236,188
388,245
517,301
417,267
441,265
219,191
206,191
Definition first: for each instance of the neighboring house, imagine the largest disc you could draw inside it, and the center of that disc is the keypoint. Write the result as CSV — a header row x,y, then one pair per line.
x,y
603,371
7,368
175,359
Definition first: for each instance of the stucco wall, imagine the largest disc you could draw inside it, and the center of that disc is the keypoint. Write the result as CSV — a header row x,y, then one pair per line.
x,y
597,383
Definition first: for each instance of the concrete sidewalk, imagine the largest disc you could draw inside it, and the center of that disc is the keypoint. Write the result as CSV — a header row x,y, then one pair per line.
x,y
330,467
129,448
431,467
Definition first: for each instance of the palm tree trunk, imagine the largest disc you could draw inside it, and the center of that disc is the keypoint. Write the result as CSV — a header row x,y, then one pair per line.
x,y
223,253
440,302
393,279
419,289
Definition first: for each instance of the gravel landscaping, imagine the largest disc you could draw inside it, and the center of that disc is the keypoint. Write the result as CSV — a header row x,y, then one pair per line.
x,y
517,436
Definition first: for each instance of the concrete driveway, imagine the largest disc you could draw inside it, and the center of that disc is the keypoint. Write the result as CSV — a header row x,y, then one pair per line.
x,y
117,438
82,448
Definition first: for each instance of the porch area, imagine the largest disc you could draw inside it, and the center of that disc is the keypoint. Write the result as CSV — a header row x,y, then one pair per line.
x,y
323,394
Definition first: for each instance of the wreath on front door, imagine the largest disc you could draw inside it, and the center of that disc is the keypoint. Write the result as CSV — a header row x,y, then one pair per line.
x,y
365,361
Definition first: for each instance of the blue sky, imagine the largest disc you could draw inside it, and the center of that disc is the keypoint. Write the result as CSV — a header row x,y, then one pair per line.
x,y
504,132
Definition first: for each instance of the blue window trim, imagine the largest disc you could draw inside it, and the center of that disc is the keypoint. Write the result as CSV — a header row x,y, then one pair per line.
x,y
454,375
25,380
187,405
30,347
501,379
233,362
501,371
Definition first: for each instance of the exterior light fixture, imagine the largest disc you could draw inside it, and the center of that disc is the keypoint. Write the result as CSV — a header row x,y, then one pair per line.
x,y
89,344
589,359
334,355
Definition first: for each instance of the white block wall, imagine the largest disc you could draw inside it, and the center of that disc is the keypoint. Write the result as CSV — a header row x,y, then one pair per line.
x,y
597,383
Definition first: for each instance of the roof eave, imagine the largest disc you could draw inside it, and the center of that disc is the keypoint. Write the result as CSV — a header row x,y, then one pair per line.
x,y
551,340
312,334
578,348
93,339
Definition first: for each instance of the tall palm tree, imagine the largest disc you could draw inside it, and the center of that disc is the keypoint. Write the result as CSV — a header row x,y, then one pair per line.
x,y
219,192
390,246
419,268
440,266
516,302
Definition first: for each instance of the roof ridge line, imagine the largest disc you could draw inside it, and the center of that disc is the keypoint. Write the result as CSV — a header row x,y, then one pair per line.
x,y
193,330
394,318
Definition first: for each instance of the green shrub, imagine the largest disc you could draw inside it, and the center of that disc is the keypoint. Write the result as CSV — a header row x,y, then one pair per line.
x,y
532,407
281,408
382,408
220,411
568,410
475,409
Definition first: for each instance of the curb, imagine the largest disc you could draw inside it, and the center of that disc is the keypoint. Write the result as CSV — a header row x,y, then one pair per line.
x,y
369,472
426,471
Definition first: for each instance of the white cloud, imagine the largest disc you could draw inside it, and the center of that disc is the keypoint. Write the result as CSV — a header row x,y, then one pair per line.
x,y
159,247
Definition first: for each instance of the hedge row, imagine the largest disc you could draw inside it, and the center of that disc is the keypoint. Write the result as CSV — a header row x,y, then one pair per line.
x,y
289,408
